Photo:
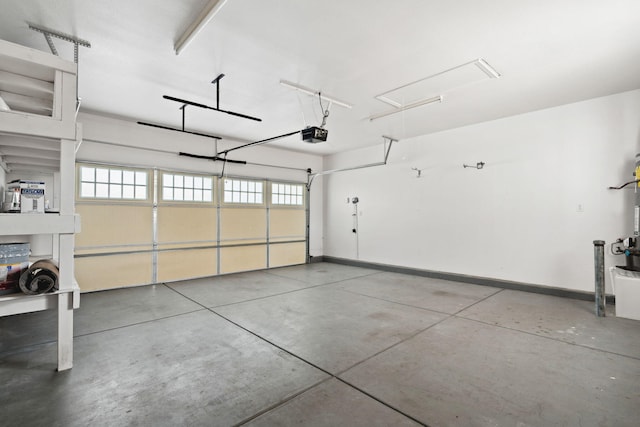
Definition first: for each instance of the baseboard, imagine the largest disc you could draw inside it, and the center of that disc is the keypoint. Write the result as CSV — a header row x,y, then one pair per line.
x,y
475,280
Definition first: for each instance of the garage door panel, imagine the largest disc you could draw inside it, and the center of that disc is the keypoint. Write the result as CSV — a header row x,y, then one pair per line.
x,y
287,223
114,225
186,224
243,258
287,254
242,224
113,271
187,264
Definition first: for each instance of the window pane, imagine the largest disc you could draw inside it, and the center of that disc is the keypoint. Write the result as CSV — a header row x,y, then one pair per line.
x,y
141,192
274,199
243,197
236,185
258,198
197,195
207,195
178,181
167,193
178,194
115,191
244,186
281,199
167,180
251,197
299,200
252,186
259,187
128,177
228,196
141,179
207,183
197,182
102,190
88,174
236,197
102,175
287,199
299,190
228,185
115,176
188,194
127,192
188,181
87,189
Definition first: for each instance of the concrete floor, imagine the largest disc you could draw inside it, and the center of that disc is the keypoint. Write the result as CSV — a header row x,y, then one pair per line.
x,y
323,344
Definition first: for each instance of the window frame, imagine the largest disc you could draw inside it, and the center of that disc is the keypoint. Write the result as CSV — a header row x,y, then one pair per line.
x,y
302,195
122,182
184,175
223,192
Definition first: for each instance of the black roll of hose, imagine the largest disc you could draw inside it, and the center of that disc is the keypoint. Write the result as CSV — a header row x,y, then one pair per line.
x,y
40,278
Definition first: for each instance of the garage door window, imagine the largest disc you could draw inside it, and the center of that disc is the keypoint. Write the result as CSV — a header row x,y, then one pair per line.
x,y
112,183
186,188
286,194
243,191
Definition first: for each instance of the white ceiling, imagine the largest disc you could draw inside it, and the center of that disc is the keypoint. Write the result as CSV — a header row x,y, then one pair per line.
x,y
548,53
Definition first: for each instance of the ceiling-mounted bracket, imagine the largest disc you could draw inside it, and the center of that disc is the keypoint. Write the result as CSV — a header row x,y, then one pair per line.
x,y
183,108
48,34
388,149
478,165
215,81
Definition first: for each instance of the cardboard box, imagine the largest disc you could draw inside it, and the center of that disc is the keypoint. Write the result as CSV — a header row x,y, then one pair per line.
x,y
31,195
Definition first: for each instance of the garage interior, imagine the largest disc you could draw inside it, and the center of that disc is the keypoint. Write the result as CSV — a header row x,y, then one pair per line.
x,y
321,213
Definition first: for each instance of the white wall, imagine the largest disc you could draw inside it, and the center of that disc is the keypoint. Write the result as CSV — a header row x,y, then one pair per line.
x,y
146,146
530,215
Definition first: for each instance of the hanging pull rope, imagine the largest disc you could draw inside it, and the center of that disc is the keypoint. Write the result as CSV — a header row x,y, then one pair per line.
x,y
325,113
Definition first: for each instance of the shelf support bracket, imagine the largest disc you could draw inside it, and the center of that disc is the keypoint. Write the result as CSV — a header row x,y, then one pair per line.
x,y
48,34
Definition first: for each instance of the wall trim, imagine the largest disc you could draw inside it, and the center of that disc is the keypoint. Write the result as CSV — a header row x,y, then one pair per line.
x,y
463,278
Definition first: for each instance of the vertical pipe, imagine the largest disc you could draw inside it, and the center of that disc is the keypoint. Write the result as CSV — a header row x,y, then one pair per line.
x,y
268,184
154,219
220,187
598,257
307,215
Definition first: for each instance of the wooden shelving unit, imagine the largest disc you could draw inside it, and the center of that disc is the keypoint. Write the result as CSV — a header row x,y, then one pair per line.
x,y
40,90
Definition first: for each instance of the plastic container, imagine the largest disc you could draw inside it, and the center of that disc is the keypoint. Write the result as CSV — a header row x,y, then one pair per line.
x,y
626,288
14,259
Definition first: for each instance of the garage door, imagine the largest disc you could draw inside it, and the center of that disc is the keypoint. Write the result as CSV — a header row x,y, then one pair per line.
x,y
177,226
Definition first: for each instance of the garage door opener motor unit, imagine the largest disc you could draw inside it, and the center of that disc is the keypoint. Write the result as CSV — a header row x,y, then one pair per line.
x,y
314,134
